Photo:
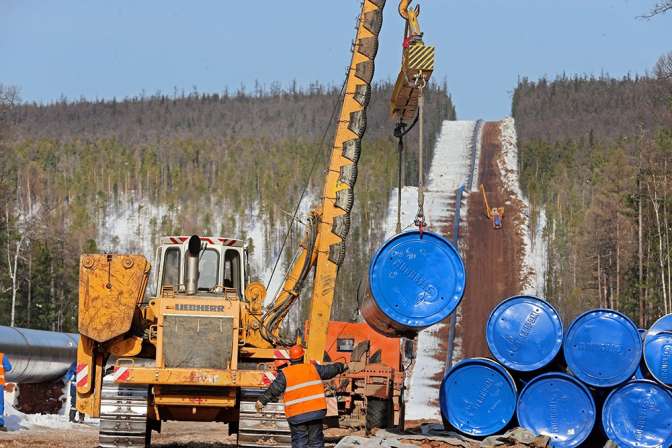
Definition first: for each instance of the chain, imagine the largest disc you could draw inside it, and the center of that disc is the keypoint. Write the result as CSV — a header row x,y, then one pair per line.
x,y
399,132
420,83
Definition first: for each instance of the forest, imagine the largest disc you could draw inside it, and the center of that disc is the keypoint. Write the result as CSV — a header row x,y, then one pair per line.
x,y
114,175
595,154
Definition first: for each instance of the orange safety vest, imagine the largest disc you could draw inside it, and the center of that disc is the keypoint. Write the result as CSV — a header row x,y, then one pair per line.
x,y
304,391
2,369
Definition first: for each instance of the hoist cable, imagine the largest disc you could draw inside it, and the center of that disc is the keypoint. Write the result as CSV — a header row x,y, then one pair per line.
x,y
420,215
399,132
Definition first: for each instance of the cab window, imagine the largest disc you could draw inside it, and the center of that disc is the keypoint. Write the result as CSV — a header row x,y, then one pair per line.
x,y
208,266
171,268
232,269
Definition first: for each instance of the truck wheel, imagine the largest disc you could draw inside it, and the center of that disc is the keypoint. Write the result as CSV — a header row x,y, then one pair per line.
x,y
377,412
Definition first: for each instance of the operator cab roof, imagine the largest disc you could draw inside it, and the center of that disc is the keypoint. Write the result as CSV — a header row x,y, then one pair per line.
x,y
212,240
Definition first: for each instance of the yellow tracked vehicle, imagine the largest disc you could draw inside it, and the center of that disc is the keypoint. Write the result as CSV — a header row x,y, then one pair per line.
x,y
203,346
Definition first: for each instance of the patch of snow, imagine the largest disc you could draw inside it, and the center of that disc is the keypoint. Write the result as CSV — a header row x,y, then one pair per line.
x,y
508,163
423,388
477,158
450,165
533,268
17,421
448,171
457,340
132,226
267,246
266,249
409,206
537,257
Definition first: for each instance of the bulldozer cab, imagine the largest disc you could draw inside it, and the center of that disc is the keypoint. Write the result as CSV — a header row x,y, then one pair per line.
x,y
222,266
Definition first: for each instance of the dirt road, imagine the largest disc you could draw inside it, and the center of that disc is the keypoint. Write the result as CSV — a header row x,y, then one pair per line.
x,y
173,435
494,256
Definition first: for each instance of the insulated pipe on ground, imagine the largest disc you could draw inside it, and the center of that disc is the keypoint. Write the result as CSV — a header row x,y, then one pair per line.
x,y
37,355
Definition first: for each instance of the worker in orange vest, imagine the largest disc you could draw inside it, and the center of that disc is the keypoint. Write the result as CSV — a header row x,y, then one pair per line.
x,y
303,395
5,367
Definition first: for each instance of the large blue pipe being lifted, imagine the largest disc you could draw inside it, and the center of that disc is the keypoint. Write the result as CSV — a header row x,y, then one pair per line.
x,y
37,355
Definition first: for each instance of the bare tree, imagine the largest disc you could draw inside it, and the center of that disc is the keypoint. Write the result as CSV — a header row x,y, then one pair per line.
x,y
9,97
663,68
661,7
13,256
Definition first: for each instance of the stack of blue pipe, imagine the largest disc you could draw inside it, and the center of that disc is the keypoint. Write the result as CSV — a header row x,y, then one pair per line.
x,y
601,378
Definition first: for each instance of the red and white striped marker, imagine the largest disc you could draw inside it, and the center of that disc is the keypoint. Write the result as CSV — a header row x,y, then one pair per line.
x,y
119,374
268,378
82,378
281,354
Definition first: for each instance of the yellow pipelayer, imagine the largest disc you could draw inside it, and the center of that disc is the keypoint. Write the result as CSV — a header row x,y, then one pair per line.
x,y
188,352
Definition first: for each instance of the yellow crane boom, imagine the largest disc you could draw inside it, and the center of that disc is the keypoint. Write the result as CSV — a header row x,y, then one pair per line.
x,y
324,245
323,248
338,193
488,213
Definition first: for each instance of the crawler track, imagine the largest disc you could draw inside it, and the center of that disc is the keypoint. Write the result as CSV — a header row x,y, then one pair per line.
x,y
262,430
123,416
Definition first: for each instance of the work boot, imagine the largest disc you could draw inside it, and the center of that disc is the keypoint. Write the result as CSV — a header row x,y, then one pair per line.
x,y
81,417
73,413
3,429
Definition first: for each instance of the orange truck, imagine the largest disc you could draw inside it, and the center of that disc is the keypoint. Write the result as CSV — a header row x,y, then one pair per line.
x,y
371,394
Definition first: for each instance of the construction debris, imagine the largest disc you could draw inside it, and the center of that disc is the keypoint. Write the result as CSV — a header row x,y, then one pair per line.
x,y
434,436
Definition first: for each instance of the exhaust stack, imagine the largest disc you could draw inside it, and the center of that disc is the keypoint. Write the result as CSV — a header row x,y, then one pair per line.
x,y
193,250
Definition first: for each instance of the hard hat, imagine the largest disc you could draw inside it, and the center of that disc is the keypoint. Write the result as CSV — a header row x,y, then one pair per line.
x,y
296,352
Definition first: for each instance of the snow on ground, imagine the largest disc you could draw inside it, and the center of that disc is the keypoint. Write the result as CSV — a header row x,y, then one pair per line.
x,y
18,421
452,154
533,270
131,226
448,171
266,249
479,144
537,257
409,206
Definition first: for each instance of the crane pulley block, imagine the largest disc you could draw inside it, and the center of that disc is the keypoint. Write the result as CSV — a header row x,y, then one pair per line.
x,y
417,67
418,58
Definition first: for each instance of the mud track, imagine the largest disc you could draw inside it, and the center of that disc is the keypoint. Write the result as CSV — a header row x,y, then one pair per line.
x,y
494,257
174,435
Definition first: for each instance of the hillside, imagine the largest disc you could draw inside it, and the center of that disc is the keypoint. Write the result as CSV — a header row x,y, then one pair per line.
x,y
114,175
595,153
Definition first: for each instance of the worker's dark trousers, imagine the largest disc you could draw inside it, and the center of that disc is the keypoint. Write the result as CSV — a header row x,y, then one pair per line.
x,y
308,434
2,405
73,404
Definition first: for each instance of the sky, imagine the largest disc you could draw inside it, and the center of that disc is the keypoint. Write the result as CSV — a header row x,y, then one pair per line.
x,y
101,49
